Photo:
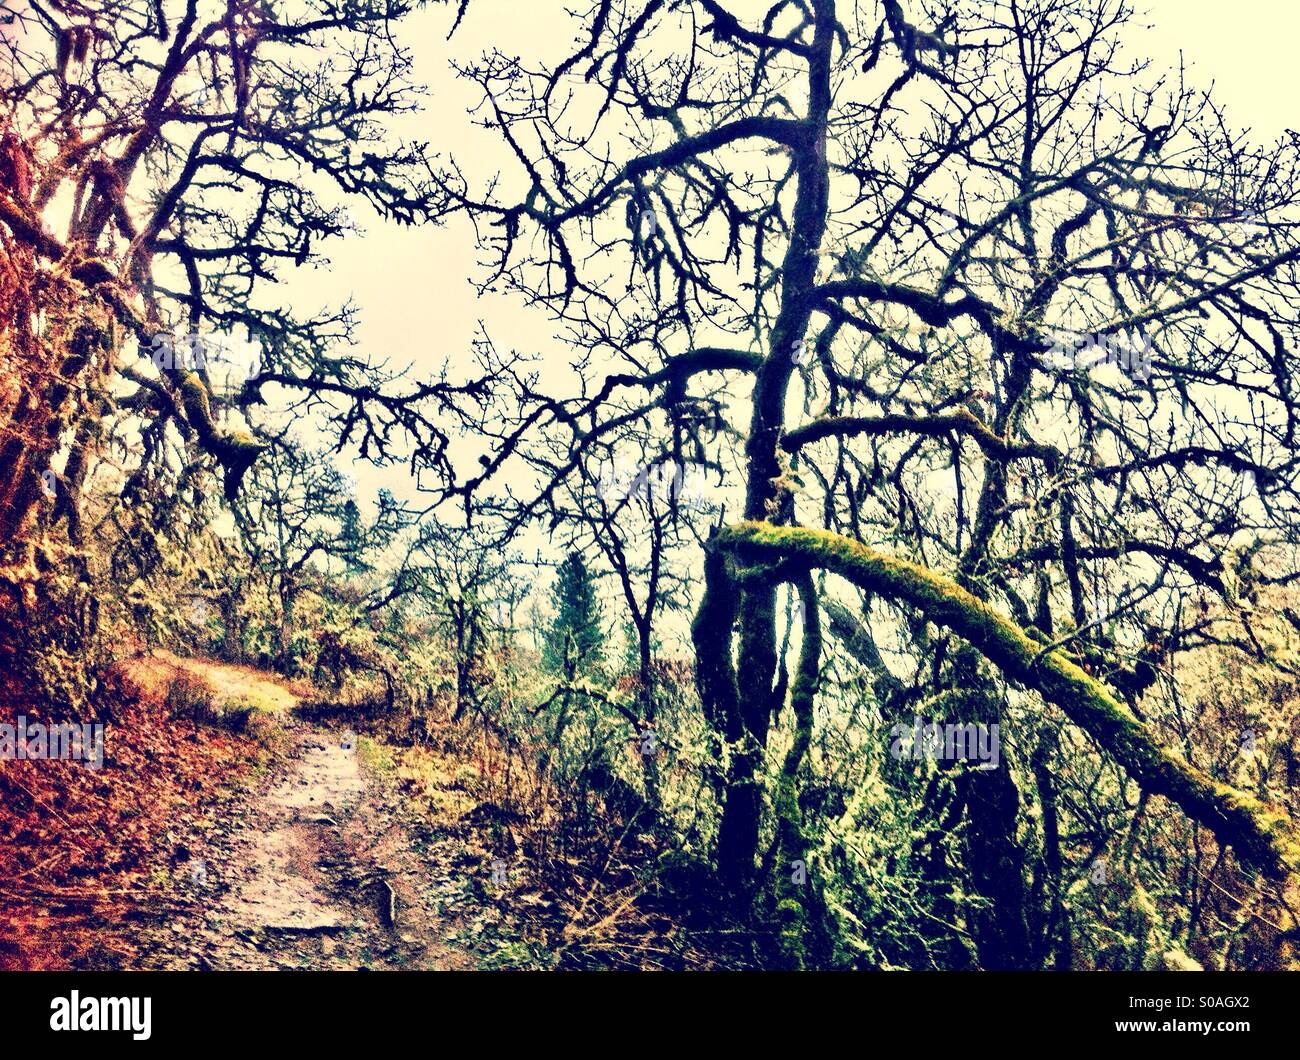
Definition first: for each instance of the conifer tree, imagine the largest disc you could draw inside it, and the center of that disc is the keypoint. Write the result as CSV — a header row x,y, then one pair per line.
x,y
574,642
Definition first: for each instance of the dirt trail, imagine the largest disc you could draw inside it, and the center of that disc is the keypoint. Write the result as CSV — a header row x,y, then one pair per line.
x,y
284,890
315,851
318,870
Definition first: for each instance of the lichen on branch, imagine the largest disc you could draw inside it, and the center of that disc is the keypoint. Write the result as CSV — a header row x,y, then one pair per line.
x,y
1261,836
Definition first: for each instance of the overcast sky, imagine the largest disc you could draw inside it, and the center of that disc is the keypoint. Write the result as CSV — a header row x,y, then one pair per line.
x,y
1247,48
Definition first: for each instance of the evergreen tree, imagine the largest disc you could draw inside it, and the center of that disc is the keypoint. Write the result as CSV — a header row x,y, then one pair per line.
x,y
574,641
350,537
631,649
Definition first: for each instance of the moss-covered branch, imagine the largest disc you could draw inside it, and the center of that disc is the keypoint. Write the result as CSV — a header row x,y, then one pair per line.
x,y
235,450
1260,835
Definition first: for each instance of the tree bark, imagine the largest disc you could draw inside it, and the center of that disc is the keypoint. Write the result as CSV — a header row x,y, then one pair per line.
x,y
742,807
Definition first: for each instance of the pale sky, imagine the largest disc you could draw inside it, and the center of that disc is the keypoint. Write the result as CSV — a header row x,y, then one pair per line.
x,y
1247,48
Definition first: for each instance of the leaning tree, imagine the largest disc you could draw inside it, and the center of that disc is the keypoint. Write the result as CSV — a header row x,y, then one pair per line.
x,y
162,165
980,321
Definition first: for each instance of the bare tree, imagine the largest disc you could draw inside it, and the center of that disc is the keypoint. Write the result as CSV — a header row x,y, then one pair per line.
x,y
1008,318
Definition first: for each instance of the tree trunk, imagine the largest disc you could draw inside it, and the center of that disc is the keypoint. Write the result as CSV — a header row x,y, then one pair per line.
x,y
747,723
36,428
794,884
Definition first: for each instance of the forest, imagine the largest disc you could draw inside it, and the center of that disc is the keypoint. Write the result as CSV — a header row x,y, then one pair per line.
x,y
642,484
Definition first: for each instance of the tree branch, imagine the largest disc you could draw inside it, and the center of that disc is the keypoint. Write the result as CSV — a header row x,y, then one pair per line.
x,y
1260,835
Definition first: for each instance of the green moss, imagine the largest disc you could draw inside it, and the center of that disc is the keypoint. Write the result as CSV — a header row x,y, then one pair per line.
x,y
1261,836
377,757
198,410
194,395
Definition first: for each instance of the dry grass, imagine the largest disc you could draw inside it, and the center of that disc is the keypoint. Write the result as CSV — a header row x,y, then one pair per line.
x,y
231,685
442,784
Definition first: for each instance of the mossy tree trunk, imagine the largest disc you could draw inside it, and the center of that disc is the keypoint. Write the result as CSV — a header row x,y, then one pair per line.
x,y
748,720
794,882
